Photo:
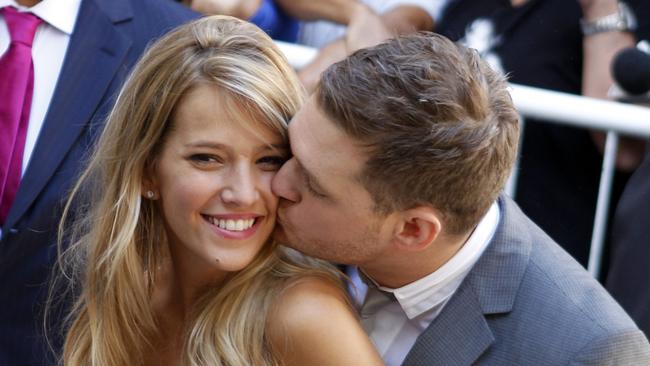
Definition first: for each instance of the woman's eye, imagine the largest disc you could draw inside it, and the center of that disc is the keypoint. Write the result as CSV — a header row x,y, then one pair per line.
x,y
204,159
273,162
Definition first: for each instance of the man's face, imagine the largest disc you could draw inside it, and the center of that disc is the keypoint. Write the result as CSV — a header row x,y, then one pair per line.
x,y
324,210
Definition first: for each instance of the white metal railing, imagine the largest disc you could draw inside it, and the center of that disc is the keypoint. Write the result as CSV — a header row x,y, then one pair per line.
x,y
613,117
566,109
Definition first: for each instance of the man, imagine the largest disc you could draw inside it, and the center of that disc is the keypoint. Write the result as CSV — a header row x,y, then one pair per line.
x,y
399,160
81,51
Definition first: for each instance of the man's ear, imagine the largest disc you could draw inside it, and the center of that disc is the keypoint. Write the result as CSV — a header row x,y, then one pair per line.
x,y
417,228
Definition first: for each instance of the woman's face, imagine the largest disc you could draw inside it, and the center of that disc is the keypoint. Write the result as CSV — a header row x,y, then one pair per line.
x,y
213,179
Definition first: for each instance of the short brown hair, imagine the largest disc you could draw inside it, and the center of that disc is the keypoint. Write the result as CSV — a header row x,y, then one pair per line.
x,y
439,125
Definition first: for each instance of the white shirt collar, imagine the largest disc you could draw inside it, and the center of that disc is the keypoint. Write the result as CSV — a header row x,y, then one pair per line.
x,y
61,14
435,289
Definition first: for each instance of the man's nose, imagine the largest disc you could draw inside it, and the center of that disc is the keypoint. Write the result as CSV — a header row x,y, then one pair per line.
x,y
241,188
283,183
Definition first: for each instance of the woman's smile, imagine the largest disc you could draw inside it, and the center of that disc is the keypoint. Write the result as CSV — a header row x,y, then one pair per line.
x,y
234,226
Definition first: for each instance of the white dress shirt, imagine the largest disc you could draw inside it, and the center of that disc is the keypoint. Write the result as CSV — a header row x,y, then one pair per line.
x,y
48,50
394,322
321,32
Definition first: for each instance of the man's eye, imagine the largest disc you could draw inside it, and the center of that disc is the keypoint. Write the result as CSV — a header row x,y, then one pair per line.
x,y
312,190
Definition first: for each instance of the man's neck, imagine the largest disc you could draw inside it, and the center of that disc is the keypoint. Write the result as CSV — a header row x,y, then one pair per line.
x,y
395,270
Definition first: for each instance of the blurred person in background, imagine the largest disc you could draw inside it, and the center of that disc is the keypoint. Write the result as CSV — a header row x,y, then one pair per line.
x,y
62,64
336,27
629,270
339,27
266,14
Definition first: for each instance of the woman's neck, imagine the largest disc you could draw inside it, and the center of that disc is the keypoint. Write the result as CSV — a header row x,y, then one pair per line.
x,y
171,312
178,284
190,278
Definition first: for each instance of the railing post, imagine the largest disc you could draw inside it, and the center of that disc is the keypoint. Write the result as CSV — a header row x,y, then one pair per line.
x,y
602,207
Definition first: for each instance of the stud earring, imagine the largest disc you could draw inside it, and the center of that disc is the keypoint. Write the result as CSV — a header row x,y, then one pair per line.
x,y
150,195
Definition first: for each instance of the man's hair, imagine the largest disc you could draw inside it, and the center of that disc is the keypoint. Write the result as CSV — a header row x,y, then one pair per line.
x,y
438,124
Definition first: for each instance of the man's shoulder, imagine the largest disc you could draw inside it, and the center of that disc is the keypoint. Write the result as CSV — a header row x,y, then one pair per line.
x,y
578,297
568,314
552,279
555,282
154,15
559,307
136,23
164,14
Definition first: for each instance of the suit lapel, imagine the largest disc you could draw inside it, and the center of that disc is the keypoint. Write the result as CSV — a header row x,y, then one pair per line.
x,y
458,336
95,53
462,333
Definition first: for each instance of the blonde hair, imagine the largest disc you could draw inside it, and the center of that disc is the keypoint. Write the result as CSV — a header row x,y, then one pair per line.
x,y
118,241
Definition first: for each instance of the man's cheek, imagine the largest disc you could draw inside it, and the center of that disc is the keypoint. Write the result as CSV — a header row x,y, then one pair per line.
x,y
279,234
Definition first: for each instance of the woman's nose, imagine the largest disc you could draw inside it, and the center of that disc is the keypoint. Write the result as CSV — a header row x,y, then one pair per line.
x,y
241,188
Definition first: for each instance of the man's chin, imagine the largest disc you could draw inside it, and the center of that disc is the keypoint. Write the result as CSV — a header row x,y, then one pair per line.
x,y
279,235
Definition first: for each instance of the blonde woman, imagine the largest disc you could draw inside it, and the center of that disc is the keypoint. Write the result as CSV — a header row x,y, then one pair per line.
x,y
177,265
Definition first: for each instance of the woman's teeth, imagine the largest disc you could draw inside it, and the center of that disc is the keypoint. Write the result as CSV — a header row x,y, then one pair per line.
x,y
232,225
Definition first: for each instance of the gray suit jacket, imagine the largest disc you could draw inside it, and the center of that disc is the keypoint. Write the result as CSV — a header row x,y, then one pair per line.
x,y
527,302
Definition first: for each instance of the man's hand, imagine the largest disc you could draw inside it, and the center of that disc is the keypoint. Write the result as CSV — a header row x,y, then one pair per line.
x,y
592,9
599,51
366,29
337,11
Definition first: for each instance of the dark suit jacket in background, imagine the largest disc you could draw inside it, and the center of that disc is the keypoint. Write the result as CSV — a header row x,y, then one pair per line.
x,y
629,274
108,38
527,302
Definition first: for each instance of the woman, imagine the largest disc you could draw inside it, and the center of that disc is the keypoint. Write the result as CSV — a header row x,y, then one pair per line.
x,y
178,267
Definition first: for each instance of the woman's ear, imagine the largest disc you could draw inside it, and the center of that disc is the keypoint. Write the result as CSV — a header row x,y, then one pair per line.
x,y
149,184
417,228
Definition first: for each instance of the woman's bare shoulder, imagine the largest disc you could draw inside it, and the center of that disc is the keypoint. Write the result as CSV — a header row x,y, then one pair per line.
x,y
311,322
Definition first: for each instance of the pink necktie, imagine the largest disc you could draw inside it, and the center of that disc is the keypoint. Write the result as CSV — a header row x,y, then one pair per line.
x,y
16,88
